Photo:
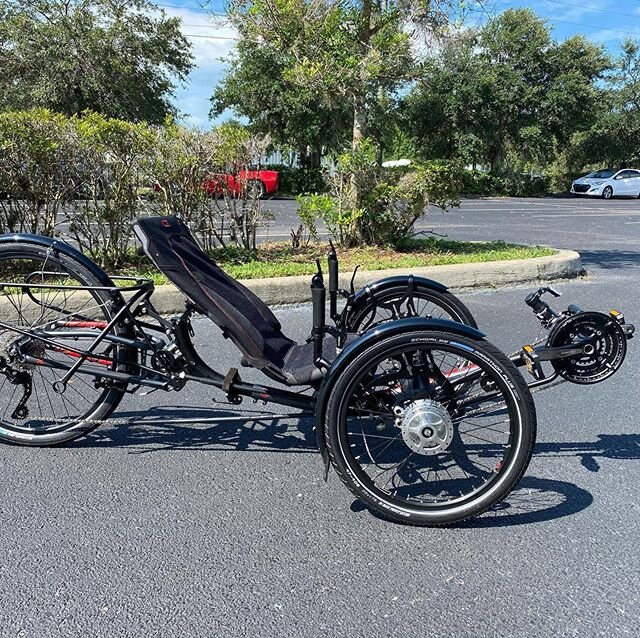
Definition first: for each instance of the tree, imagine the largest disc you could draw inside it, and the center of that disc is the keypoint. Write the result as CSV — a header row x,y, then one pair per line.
x,y
120,58
256,87
342,51
614,138
507,88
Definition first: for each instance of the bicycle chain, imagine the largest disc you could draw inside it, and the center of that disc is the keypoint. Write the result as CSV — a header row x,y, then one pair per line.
x,y
130,420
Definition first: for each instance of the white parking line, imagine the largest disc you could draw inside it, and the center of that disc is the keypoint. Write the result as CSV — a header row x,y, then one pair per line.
x,y
585,215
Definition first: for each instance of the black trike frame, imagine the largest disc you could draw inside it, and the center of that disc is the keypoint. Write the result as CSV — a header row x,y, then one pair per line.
x,y
135,311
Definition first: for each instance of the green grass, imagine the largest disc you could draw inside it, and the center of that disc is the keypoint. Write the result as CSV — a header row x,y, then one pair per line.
x,y
278,259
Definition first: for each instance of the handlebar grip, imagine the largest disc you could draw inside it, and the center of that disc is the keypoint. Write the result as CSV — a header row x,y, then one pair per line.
x,y
333,284
333,273
318,298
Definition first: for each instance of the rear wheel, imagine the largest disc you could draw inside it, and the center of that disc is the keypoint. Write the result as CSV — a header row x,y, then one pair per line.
x,y
34,408
430,428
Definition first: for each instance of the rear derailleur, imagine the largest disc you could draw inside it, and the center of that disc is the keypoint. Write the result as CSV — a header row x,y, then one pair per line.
x,y
18,377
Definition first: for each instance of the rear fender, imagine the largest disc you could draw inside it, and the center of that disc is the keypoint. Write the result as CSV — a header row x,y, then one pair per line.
x,y
367,293
61,247
373,336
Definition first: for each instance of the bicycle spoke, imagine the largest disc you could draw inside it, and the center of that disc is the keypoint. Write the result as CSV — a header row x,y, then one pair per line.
x,y
469,449
47,307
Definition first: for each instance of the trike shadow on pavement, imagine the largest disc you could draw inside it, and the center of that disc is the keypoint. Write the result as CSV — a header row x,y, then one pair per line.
x,y
534,500
182,428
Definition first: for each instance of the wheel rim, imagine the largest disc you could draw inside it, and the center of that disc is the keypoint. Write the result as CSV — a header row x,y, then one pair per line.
x,y
392,307
59,314
607,192
470,457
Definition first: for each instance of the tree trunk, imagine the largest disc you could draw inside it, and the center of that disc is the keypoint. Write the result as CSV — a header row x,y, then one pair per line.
x,y
359,121
359,107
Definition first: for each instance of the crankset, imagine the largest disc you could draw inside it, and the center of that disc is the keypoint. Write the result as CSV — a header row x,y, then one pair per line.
x,y
597,343
583,347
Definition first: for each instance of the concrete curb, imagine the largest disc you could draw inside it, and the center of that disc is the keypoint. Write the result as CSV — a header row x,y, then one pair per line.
x,y
566,264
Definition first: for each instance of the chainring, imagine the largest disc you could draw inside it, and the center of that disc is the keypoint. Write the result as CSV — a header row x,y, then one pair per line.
x,y
605,354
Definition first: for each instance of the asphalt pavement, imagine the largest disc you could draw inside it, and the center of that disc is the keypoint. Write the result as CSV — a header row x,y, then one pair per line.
x,y
203,529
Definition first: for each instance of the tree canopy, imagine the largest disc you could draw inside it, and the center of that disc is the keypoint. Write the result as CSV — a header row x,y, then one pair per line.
x,y
334,56
614,137
507,87
121,58
257,87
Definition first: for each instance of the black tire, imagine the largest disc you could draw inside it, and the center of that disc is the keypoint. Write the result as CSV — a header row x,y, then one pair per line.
x,y
464,455
54,417
256,188
428,302
607,193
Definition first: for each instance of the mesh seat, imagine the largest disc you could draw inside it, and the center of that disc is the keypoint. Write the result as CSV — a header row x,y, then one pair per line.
x,y
241,315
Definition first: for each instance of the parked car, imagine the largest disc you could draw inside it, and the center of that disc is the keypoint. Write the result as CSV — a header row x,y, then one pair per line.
x,y
259,182
608,183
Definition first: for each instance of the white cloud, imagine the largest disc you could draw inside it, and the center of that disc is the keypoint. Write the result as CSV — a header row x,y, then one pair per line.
x,y
213,38
560,11
605,36
192,99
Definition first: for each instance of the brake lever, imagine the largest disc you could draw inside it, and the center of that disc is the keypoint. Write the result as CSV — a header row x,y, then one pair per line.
x,y
353,280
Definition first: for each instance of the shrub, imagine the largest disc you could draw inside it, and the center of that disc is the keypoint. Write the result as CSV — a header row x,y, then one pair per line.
x,y
295,180
482,184
239,207
372,205
180,163
112,156
38,169
507,184
100,173
311,207
524,185
340,220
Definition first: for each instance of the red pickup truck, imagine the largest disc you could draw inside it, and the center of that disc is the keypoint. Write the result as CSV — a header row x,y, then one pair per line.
x,y
260,182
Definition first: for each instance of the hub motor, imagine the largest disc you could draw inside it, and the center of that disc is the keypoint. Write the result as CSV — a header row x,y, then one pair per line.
x,y
426,427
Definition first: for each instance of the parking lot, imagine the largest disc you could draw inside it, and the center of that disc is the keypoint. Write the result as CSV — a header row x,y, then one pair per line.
x,y
203,529
605,232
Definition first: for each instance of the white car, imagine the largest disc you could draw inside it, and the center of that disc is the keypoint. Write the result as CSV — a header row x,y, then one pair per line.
x,y
608,182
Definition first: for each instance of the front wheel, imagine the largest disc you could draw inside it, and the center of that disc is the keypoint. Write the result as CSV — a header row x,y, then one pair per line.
x,y
607,193
394,303
430,428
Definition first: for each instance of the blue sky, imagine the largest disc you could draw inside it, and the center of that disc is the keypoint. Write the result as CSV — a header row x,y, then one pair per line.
x,y
605,21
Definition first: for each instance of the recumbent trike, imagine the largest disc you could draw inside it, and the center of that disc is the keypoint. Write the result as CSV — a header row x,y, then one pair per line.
x,y
424,421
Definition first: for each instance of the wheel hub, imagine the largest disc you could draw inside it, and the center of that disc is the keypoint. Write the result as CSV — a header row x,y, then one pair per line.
x,y
426,427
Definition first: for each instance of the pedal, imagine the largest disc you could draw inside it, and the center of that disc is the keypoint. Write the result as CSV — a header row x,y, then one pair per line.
x,y
627,328
530,358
